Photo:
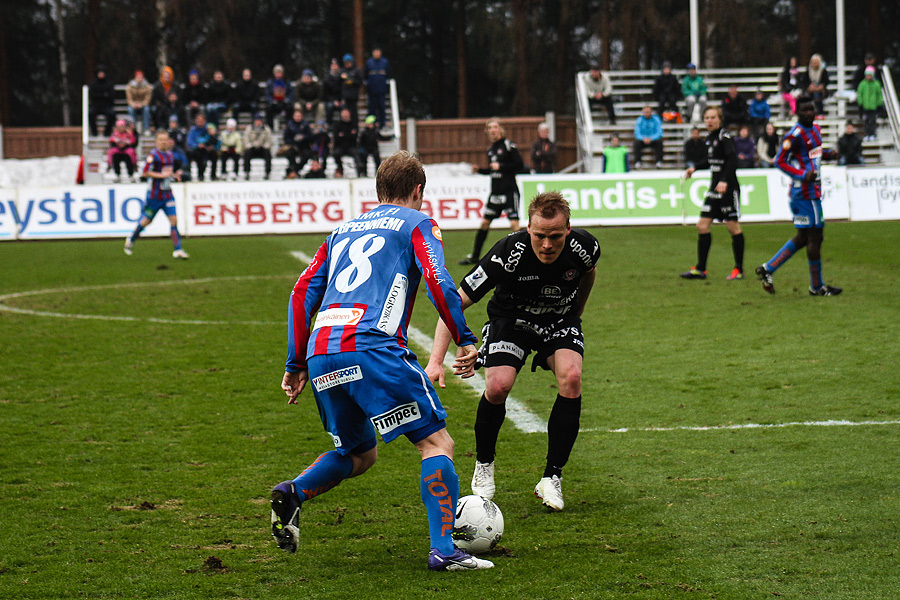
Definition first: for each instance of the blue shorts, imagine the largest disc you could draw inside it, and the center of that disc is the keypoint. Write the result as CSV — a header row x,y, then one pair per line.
x,y
151,207
807,213
381,389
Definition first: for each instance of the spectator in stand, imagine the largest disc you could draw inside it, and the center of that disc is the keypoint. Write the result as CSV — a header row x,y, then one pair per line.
x,y
196,146
193,95
648,133
308,96
297,137
257,144
171,108
137,94
178,140
368,146
213,146
870,100
346,132
377,74
599,91
121,150
232,147
316,170
693,88
734,108
789,84
218,97
850,147
101,102
135,134
815,82
351,81
760,112
543,151
246,95
745,148
331,91
767,146
666,90
162,90
279,96
694,149
615,157
860,73
320,145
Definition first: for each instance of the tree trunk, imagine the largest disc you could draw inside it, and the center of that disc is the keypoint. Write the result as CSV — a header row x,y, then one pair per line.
x,y
63,63
91,37
5,92
562,44
462,92
162,48
606,36
522,98
359,44
875,32
804,31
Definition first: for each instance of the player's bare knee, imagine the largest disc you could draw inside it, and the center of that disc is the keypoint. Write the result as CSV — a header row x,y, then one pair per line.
x,y
569,383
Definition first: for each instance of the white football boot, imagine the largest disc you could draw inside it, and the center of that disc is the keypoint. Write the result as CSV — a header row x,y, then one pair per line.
x,y
483,480
549,490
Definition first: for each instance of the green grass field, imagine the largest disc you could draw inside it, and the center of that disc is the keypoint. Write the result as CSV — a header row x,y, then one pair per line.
x,y
137,449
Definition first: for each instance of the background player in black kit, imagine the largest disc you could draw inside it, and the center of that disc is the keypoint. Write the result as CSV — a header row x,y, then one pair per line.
x,y
542,278
504,161
723,199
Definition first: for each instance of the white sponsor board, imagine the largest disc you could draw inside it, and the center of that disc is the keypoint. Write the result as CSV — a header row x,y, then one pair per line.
x,y
875,193
7,214
297,206
84,211
456,203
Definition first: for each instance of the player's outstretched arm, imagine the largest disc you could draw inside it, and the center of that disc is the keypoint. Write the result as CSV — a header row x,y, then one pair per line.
x,y
442,339
293,384
464,365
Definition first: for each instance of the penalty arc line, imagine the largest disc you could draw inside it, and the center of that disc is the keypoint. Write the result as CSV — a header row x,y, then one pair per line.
x,y
524,420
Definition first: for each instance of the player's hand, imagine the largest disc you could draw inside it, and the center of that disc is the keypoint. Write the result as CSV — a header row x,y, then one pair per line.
x,y
810,175
495,166
688,172
435,373
721,187
293,384
474,168
464,365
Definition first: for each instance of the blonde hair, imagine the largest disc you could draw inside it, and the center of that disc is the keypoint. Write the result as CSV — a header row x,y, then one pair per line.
x,y
398,176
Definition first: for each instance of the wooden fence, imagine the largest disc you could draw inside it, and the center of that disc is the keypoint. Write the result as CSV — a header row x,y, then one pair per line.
x,y
41,142
437,141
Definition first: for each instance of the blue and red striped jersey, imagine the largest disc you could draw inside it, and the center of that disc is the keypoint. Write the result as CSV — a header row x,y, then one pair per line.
x,y
160,189
801,151
362,284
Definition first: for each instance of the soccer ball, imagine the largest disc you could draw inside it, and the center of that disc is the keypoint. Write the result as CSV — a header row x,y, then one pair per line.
x,y
479,524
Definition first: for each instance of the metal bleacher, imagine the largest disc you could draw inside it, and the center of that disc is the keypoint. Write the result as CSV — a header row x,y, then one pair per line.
x,y
95,147
632,90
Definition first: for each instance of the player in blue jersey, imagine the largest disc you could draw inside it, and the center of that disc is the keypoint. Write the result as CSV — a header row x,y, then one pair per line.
x,y
542,278
800,158
361,287
160,170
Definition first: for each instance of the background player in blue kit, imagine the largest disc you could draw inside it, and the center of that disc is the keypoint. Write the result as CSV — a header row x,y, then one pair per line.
x,y
542,278
362,283
159,169
800,158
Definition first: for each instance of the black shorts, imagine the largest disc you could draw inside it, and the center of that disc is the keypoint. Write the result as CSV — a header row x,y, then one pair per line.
x,y
722,207
508,342
497,204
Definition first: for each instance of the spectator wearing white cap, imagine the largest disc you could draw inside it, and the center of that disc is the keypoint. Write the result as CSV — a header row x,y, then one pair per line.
x,y
232,148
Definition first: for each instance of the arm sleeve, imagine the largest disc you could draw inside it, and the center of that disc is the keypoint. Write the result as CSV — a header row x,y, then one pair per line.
x,y
305,300
782,161
485,275
729,152
513,163
429,254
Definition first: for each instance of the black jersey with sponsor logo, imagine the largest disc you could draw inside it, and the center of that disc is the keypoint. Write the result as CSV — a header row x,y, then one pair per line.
x,y
526,288
506,154
721,160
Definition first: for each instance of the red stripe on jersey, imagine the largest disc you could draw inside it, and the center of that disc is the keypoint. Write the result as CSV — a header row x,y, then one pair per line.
x,y
320,343
420,247
348,335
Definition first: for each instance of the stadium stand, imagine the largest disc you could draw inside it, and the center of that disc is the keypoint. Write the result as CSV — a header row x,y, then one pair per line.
x,y
95,147
632,90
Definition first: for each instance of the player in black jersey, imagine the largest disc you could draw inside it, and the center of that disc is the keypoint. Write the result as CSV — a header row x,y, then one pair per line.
x,y
504,162
723,199
542,278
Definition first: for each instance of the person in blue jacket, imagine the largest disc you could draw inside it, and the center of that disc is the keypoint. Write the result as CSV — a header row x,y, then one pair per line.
x,y
648,132
377,74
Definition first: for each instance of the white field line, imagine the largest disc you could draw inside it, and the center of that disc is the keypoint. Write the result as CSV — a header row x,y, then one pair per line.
x,y
111,286
516,411
831,423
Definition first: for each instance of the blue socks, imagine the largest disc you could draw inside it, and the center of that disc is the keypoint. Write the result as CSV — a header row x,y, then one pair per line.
x,y
440,491
327,471
815,274
137,232
781,256
176,239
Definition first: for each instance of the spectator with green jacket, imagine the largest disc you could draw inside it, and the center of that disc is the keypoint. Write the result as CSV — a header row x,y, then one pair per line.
x,y
693,88
870,100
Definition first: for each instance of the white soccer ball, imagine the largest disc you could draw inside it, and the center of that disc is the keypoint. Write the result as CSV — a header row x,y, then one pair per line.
x,y
479,524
